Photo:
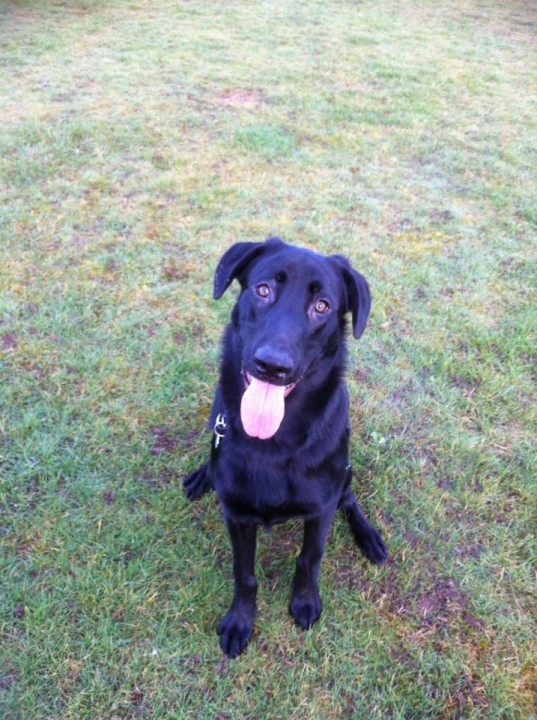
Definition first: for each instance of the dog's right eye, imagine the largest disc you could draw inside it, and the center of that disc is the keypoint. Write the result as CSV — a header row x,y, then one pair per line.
x,y
262,290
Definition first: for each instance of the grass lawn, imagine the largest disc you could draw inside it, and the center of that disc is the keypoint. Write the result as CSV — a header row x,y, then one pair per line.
x,y
138,140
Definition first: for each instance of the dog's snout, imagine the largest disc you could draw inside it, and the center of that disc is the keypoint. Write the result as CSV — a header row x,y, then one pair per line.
x,y
273,364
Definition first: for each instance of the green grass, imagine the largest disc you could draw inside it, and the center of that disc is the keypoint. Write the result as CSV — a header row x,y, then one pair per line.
x,y
138,141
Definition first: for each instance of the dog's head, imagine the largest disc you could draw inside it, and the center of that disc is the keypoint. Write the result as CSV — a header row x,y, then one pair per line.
x,y
290,317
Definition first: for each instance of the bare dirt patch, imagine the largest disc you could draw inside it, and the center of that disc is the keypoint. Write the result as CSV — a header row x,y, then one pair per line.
x,y
9,341
242,97
434,604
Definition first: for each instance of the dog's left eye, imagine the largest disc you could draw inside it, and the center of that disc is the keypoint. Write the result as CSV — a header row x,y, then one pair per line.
x,y
263,290
321,306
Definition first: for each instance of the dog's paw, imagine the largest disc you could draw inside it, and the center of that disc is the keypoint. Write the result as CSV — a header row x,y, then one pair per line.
x,y
235,630
197,483
374,547
306,610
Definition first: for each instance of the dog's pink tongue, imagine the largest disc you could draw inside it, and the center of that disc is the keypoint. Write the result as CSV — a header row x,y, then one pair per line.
x,y
262,409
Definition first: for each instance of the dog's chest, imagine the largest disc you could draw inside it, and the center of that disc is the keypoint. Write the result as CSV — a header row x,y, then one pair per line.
x,y
267,491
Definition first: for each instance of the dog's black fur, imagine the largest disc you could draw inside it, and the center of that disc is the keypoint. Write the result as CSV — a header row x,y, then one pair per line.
x,y
288,326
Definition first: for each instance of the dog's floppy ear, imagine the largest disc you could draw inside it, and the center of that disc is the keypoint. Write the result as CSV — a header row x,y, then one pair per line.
x,y
357,292
236,260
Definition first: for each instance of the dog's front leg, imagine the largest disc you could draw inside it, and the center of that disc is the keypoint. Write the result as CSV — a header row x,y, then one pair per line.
x,y
305,605
236,627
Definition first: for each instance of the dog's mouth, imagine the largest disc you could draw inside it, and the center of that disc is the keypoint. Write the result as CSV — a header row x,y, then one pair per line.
x,y
248,379
262,406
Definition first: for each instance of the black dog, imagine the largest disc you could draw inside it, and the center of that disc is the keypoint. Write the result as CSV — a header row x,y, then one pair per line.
x,y
281,431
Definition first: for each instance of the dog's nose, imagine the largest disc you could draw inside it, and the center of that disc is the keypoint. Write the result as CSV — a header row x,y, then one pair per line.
x,y
272,363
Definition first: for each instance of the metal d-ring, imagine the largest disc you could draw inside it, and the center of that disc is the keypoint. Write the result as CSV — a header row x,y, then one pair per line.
x,y
220,427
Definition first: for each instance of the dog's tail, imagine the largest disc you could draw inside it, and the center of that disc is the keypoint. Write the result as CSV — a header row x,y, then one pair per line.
x,y
198,482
